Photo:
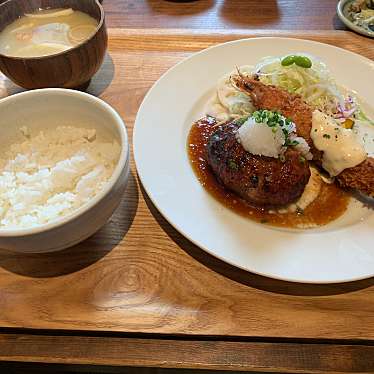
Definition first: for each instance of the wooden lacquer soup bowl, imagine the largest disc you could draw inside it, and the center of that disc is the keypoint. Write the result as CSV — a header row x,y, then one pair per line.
x,y
72,68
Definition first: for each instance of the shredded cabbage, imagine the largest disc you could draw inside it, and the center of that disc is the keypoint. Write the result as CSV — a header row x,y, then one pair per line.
x,y
228,101
315,85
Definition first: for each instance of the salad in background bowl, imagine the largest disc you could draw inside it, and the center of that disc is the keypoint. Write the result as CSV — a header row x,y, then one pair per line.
x,y
358,15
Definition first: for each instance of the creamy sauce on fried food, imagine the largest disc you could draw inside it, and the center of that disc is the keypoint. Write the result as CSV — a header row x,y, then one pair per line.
x,y
341,147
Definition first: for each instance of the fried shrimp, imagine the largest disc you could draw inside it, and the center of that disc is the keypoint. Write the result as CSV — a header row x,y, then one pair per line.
x,y
360,177
276,99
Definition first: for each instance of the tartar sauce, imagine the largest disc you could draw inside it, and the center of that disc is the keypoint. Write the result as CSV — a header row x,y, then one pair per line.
x,y
341,147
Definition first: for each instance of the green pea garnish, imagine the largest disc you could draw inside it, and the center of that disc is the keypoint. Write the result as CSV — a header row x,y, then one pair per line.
x,y
288,60
301,61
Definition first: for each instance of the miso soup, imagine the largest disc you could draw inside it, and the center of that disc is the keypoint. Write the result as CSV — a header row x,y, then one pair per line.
x,y
46,32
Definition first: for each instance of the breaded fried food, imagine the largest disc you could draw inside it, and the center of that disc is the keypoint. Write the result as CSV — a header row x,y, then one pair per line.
x,y
276,99
360,177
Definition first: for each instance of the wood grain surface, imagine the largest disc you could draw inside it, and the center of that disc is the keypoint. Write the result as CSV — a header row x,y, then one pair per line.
x,y
192,354
138,274
224,14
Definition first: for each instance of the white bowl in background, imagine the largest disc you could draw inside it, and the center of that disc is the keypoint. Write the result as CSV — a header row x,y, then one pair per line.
x,y
50,107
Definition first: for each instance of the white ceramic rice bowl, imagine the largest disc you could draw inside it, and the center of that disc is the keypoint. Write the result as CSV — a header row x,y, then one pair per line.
x,y
44,108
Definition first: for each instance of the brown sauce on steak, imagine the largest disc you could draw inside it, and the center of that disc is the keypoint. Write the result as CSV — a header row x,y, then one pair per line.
x,y
331,203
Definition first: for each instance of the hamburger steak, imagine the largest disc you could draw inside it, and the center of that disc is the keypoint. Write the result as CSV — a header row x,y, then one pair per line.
x,y
262,181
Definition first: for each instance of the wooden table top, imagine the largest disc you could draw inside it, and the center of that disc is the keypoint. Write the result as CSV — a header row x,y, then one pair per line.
x,y
224,14
138,286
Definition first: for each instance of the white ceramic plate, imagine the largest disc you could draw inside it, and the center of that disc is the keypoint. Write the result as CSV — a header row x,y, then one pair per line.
x,y
339,252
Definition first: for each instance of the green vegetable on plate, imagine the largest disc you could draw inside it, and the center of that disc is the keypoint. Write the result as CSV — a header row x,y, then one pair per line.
x,y
301,61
